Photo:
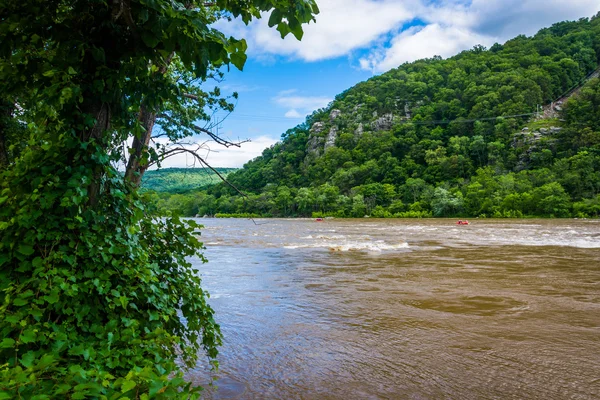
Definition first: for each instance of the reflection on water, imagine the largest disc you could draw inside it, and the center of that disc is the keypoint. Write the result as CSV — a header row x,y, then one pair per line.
x,y
405,309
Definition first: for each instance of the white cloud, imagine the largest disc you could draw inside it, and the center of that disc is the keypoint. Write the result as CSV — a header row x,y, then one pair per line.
x,y
304,103
416,43
298,105
218,156
376,27
454,27
293,114
342,26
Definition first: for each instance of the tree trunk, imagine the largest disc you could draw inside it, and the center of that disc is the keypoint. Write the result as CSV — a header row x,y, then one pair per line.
x,y
6,112
102,115
135,167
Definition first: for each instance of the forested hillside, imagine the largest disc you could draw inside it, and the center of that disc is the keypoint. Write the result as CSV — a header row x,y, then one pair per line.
x,y
178,180
444,138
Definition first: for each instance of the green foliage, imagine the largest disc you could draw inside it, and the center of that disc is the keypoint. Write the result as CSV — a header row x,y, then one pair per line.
x,y
99,298
446,138
178,180
97,301
242,215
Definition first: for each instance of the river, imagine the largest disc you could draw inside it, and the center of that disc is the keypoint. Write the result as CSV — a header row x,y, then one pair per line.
x,y
404,309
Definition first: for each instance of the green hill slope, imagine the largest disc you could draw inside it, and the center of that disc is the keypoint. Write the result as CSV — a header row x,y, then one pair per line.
x,y
445,138
178,180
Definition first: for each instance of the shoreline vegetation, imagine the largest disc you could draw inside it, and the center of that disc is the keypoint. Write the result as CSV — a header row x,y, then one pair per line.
x,y
396,216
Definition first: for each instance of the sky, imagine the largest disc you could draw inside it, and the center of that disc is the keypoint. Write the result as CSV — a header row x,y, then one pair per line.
x,y
283,81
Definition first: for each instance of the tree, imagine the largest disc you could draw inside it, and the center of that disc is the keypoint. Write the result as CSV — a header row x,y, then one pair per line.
x,y
99,299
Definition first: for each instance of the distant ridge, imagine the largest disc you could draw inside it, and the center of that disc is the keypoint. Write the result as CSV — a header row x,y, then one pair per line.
x,y
178,180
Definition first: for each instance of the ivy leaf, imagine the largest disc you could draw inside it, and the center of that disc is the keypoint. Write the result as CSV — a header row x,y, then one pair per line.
x,y
127,386
149,39
25,249
28,336
53,298
27,359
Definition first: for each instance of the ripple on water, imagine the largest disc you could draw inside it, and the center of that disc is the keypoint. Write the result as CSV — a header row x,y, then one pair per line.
x,y
472,305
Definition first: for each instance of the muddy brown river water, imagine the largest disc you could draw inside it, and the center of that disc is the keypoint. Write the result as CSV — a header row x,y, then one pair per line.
x,y
404,309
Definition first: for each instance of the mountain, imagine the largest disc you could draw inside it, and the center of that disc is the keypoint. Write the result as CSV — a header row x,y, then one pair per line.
x,y
509,131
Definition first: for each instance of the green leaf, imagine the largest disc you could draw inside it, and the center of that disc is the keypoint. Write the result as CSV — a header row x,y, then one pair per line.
x,y
25,249
27,359
52,298
20,302
7,343
296,28
149,39
239,59
28,336
127,386
275,18
283,29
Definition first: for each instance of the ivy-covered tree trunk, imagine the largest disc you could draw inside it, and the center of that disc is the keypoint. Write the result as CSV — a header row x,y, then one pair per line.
x,y
6,126
139,158
99,298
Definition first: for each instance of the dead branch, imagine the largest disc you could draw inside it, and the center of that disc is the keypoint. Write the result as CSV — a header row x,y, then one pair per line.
x,y
213,136
217,139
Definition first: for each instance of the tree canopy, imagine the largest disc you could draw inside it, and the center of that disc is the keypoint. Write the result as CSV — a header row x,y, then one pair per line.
x,y
99,296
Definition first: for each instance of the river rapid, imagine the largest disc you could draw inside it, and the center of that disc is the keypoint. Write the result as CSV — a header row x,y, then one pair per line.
x,y
404,309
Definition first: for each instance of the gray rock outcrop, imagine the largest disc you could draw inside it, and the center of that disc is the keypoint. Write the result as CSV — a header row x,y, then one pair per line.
x,y
359,130
331,137
334,114
383,123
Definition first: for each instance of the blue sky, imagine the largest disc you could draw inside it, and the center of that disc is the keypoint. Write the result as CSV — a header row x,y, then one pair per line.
x,y
353,40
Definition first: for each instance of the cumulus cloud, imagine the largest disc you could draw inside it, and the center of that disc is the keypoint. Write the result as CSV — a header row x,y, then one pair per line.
x,y
296,103
456,26
217,156
376,28
423,42
342,26
293,114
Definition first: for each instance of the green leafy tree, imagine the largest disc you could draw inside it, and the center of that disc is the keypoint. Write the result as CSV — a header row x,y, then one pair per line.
x,y
100,299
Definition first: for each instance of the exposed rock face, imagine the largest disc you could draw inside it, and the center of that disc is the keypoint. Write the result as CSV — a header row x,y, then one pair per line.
x,y
528,141
315,142
317,128
530,137
384,123
331,137
407,112
334,114
359,131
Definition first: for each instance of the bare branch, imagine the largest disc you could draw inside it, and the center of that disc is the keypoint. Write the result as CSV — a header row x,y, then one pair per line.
x,y
213,136
191,96
218,139
194,153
